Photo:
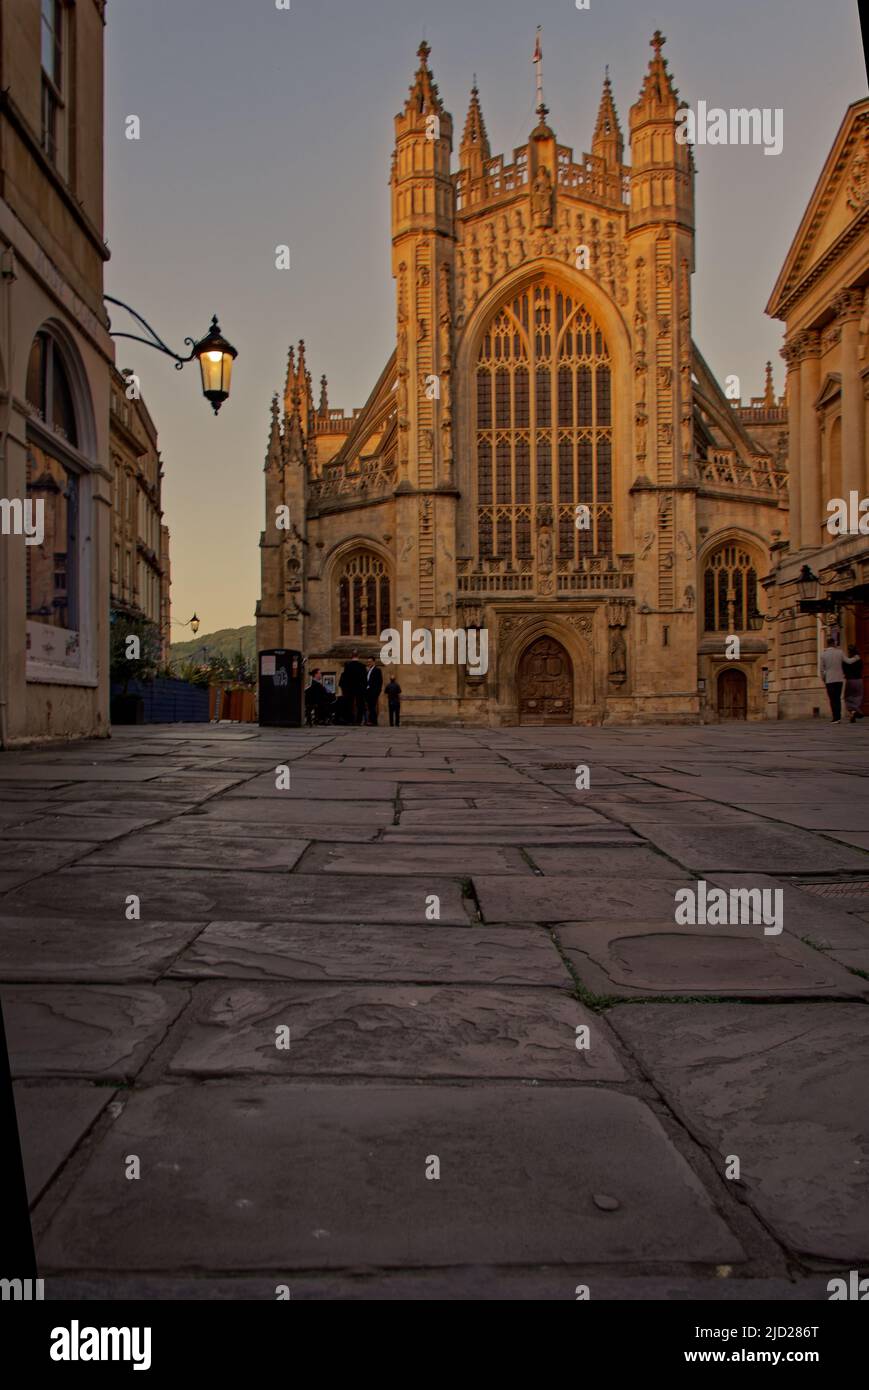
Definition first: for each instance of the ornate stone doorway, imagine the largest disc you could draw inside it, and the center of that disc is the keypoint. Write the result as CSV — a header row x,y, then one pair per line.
x,y
545,683
732,695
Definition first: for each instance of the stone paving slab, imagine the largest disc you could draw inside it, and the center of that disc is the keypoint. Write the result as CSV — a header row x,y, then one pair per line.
x,y
412,954
648,959
188,825
530,815
96,829
761,846
518,1173
26,857
392,1031
325,788
560,898
80,950
526,835
52,1119
152,810
305,813
782,1087
393,858
594,862
827,816
202,896
197,851
140,796
54,770
691,813
98,1031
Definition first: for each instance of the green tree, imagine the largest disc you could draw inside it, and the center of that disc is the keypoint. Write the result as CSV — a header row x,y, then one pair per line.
x,y
135,650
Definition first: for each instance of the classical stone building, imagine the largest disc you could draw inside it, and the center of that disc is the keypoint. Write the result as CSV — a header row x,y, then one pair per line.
x,y
140,542
822,296
545,455
55,358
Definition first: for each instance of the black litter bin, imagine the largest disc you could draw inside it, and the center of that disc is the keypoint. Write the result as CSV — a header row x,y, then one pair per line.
x,y
281,677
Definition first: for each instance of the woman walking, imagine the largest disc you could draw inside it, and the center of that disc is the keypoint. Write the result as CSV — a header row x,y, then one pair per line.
x,y
853,669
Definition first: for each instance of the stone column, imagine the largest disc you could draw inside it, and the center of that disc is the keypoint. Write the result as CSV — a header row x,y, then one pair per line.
x,y
812,512
849,307
792,390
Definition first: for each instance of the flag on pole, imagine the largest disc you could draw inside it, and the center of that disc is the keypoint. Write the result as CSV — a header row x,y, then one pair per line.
x,y
538,51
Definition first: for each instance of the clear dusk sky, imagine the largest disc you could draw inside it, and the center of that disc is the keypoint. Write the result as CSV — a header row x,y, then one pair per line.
x,y
262,126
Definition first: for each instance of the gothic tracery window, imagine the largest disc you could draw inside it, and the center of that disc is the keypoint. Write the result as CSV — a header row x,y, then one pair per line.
x,y
363,595
729,589
543,430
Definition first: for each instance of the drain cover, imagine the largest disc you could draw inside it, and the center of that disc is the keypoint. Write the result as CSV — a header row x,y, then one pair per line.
x,y
857,888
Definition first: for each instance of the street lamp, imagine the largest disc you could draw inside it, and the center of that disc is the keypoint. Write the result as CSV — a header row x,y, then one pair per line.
x,y
216,357
192,623
214,354
807,584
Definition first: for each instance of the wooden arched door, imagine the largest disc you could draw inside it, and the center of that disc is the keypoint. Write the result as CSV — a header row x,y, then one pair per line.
x,y
545,684
732,695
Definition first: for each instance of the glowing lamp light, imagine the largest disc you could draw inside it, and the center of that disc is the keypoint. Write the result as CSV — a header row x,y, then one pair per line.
x,y
216,357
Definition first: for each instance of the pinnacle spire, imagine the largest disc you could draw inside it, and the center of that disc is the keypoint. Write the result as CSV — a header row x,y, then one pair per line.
x,y
324,395
273,453
475,141
608,142
658,90
769,392
423,96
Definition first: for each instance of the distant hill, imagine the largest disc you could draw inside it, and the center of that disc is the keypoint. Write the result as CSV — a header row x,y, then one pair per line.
x,y
222,643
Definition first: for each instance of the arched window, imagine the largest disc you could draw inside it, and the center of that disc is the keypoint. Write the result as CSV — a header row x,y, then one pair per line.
x,y
363,595
543,430
729,589
48,388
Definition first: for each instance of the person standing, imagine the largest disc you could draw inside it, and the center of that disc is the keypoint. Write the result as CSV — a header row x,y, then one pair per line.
x,y
853,668
833,676
353,687
374,685
393,700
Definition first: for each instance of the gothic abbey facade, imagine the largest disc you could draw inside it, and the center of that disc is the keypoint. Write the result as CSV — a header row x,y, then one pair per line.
x,y
546,454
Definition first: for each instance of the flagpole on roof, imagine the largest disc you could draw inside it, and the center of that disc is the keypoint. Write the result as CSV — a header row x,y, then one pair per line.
x,y
538,63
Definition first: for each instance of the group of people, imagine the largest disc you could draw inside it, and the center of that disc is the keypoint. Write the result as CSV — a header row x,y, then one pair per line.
x,y
361,685
838,671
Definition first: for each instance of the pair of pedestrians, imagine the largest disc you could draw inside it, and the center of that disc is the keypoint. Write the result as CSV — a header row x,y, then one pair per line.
x,y
838,671
361,687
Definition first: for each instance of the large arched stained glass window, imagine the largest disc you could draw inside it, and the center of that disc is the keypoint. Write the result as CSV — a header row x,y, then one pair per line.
x,y
363,595
543,429
729,589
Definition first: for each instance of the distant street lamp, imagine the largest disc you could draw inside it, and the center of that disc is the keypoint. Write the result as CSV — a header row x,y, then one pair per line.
x,y
214,354
192,623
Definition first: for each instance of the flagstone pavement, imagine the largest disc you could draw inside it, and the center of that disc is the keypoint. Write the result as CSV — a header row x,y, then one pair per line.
x,y
421,1024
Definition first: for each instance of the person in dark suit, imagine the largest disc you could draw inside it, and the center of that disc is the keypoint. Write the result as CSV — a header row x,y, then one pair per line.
x,y
353,686
317,699
373,688
393,700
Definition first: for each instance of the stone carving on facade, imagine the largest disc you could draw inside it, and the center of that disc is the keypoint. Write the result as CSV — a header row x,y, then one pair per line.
x,y
544,551
648,542
583,624
641,425
541,198
690,598
617,620
685,542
